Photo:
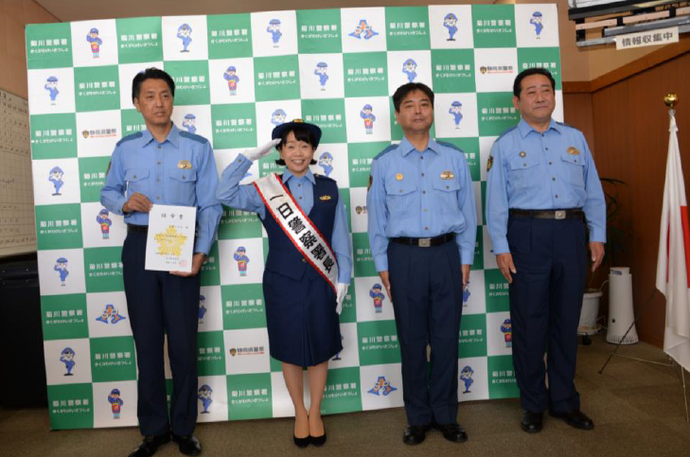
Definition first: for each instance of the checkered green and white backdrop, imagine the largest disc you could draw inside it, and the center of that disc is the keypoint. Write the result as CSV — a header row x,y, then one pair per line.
x,y
80,106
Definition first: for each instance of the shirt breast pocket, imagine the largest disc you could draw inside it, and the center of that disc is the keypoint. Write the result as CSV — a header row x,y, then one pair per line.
x,y
574,167
137,180
446,194
182,187
401,197
521,171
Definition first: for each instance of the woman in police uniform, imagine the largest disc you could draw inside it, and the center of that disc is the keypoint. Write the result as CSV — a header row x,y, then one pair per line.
x,y
302,304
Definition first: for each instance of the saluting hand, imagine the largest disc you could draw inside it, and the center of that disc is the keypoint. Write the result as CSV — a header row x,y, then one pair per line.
x,y
137,202
261,151
506,265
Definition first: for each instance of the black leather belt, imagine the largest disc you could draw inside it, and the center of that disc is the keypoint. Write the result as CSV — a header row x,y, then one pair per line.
x,y
131,228
425,242
575,213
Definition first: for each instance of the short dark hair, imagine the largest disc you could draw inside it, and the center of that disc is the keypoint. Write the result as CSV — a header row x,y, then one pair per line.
x,y
301,134
517,85
151,73
405,89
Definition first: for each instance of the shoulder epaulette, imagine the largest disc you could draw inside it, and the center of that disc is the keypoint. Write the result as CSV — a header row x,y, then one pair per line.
x,y
386,151
194,137
325,178
133,136
506,132
450,145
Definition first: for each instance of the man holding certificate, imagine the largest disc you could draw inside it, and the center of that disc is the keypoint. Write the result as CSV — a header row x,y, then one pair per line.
x,y
163,166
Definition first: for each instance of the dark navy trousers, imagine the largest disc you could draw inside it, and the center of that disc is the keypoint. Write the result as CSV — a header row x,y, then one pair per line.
x,y
426,284
158,304
545,303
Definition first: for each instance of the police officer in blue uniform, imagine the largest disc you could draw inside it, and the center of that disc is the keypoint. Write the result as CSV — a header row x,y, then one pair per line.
x,y
163,165
422,232
542,187
302,307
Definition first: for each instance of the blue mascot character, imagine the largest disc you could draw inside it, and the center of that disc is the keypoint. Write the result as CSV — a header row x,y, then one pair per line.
x,y
536,21
204,395
456,111
115,402
378,297
322,72
105,222
466,377
466,294
450,22
409,67
95,42
242,260
326,162
369,118
67,357
188,122
61,268
55,176
184,33
51,87
278,117
507,330
274,29
231,77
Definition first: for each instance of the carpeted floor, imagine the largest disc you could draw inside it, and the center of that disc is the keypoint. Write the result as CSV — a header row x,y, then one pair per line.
x,y
637,407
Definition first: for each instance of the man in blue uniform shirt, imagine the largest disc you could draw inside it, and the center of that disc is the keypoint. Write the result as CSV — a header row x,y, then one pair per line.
x,y
542,187
163,165
422,231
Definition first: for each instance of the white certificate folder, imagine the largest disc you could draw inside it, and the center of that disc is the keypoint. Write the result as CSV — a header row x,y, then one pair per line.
x,y
170,241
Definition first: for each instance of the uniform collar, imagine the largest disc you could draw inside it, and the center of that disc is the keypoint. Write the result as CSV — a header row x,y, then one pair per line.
x,y
172,138
406,147
524,128
287,175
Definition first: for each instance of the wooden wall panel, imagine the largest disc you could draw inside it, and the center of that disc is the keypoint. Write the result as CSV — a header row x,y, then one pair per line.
x,y
577,110
631,140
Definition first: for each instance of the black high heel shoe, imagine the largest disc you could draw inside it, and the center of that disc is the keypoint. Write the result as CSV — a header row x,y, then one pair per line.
x,y
302,442
319,441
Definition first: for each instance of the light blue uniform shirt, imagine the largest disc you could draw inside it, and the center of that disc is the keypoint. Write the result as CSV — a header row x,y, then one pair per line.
x,y
421,195
247,198
542,171
141,164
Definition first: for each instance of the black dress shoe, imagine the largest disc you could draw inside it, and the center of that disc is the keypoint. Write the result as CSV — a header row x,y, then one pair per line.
x,y
531,422
452,432
415,434
574,418
150,445
188,444
318,441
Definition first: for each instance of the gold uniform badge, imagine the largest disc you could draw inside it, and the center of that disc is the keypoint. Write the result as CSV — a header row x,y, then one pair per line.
x,y
325,198
573,151
184,165
523,154
447,175
399,177
489,163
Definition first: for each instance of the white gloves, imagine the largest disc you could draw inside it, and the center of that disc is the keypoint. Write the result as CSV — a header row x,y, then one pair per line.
x,y
257,153
340,297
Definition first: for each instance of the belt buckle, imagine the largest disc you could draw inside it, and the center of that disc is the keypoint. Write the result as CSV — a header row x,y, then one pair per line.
x,y
424,242
560,215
